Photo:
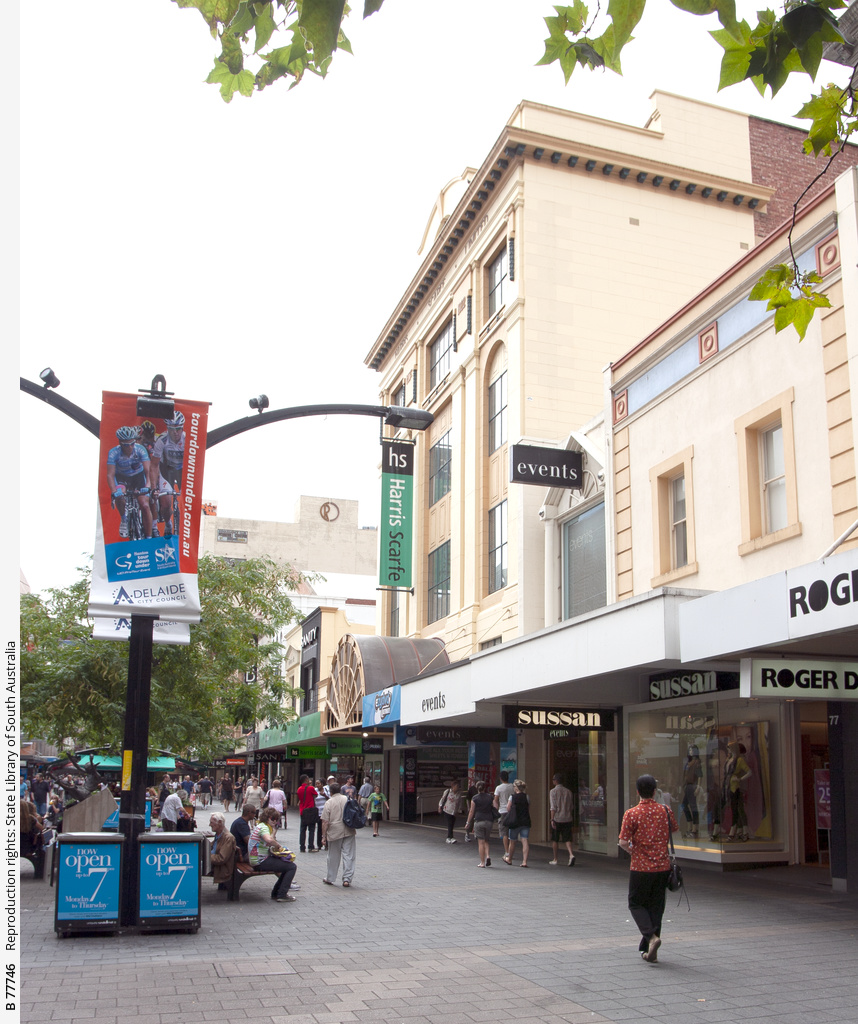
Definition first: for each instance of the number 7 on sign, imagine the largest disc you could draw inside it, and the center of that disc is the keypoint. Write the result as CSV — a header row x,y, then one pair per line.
x,y
177,867
97,871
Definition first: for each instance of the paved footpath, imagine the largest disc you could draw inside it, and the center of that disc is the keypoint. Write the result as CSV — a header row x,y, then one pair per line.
x,y
426,937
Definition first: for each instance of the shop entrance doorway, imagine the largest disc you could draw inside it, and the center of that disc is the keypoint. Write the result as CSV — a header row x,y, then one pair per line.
x,y
816,817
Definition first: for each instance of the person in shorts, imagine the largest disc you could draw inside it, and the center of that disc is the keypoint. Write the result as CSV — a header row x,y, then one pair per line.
x,y
503,792
377,804
480,816
561,806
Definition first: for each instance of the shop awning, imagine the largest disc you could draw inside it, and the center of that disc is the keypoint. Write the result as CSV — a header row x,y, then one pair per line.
x,y
154,764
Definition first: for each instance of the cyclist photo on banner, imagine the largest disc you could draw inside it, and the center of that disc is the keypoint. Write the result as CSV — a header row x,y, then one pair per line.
x,y
165,473
128,477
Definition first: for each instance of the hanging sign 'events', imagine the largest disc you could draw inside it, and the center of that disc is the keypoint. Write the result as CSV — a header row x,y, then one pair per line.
x,y
397,498
149,505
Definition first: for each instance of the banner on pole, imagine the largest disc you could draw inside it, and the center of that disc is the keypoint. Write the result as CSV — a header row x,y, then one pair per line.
x,y
397,498
149,504
164,631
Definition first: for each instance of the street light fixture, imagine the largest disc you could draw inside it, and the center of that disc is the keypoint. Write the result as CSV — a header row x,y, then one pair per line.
x,y
49,378
259,403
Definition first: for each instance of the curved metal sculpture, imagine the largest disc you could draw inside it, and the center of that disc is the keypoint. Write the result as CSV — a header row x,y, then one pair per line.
x,y
366,664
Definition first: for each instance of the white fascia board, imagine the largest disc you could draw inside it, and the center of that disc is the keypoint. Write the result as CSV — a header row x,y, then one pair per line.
x,y
641,631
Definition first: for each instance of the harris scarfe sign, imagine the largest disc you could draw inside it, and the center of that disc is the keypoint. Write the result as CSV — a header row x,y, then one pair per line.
x,y
397,498
547,467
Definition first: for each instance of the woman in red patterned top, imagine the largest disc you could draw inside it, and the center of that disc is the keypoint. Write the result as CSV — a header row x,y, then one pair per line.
x,y
645,834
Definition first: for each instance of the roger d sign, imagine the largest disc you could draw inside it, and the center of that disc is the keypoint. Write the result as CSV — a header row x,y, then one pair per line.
x,y
548,467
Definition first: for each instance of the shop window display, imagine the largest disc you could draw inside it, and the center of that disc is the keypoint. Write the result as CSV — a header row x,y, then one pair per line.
x,y
717,768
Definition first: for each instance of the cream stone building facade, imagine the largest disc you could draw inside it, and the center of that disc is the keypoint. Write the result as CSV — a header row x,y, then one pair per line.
x,y
734,473
504,334
574,236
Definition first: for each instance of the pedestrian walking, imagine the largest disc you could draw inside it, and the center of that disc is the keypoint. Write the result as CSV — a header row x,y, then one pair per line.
x,y
307,812
448,806
349,789
365,791
227,792
503,791
518,821
560,804
254,794
322,797
480,817
645,834
376,804
340,839
276,798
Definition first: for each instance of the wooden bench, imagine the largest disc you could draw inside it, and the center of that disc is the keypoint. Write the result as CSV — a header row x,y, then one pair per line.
x,y
242,871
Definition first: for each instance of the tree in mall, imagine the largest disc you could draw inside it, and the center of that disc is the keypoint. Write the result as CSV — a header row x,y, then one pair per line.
x,y
73,687
768,53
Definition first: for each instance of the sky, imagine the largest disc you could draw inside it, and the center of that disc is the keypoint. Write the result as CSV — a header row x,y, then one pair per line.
x,y
258,247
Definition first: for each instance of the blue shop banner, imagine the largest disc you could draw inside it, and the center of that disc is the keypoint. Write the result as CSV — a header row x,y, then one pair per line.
x,y
382,707
88,881
169,879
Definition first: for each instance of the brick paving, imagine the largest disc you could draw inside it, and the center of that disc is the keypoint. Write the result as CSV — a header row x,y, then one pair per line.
x,y
425,937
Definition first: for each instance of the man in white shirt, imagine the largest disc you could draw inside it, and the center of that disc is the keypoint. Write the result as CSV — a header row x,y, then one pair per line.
x,y
502,794
170,811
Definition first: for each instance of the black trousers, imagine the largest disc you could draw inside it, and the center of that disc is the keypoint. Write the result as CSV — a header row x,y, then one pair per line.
x,y
285,873
309,823
647,896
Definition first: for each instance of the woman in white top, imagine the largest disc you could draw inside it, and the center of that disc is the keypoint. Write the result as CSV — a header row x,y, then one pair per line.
x,y
276,798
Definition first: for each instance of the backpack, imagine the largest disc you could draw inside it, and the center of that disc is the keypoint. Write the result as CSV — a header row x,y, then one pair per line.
x,y
353,814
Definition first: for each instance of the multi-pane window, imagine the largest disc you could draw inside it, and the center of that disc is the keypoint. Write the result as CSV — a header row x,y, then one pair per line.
x,y
439,583
678,523
439,356
497,547
497,413
497,281
399,397
584,574
439,469
774,478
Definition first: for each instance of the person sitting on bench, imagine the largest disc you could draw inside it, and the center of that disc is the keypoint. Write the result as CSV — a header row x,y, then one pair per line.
x,y
266,854
223,850
32,844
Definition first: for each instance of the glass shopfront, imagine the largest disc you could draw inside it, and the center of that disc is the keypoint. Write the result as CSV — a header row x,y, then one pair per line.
x,y
719,766
581,763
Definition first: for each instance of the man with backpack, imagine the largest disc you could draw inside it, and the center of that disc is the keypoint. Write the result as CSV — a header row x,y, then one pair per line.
x,y
339,838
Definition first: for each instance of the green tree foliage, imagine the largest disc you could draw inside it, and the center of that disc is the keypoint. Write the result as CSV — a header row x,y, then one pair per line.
x,y
310,31
73,687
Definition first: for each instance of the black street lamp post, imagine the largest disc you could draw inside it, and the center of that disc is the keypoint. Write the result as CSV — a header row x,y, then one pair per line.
x,y
132,801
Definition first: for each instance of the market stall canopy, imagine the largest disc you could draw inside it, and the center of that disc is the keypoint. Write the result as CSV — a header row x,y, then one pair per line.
x,y
367,664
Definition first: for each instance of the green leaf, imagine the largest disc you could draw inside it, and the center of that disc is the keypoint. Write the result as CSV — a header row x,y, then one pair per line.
x,y
214,12
826,111
320,22
265,28
371,7
229,82
625,15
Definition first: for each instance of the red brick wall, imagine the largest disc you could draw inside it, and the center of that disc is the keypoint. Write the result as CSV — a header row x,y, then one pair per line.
x,y
778,160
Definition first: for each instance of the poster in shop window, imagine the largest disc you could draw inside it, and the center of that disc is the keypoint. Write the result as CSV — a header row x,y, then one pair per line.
x,y
149,505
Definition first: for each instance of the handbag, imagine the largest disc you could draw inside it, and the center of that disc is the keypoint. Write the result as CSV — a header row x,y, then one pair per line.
x,y
675,881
